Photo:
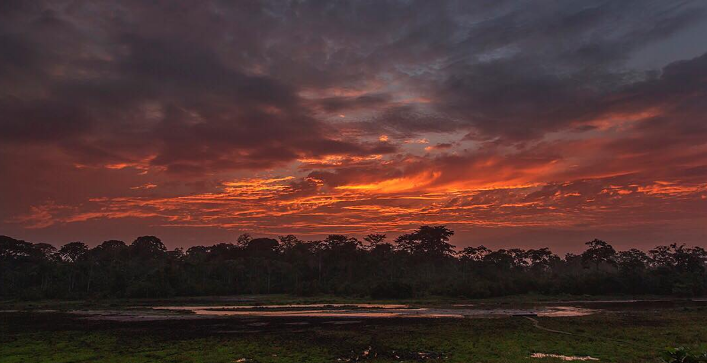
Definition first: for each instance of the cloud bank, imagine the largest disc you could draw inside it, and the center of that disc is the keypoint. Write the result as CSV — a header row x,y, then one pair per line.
x,y
338,116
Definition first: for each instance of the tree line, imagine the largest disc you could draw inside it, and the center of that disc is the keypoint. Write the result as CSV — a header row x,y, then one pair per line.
x,y
419,263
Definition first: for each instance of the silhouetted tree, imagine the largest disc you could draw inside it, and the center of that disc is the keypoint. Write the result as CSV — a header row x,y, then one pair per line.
x,y
598,252
374,240
148,246
421,262
430,242
632,261
73,251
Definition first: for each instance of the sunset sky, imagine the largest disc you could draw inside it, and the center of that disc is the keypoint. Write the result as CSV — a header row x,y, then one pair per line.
x,y
515,123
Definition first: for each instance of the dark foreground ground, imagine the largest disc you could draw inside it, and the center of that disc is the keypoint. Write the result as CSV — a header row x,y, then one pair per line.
x,y
638,334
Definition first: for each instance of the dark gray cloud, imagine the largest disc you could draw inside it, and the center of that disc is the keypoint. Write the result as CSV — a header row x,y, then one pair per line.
x,y
536,69
223,82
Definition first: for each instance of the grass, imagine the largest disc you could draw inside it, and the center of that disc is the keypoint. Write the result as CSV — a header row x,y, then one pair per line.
x,y
318,299
635,336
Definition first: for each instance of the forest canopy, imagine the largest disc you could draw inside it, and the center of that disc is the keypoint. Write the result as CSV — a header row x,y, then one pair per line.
x,y
419,263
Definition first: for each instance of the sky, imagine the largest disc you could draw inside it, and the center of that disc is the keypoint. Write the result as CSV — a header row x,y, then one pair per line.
x,y
514,123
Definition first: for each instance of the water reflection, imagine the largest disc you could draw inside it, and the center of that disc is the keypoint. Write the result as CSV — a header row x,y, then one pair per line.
x,y
286,306
371,311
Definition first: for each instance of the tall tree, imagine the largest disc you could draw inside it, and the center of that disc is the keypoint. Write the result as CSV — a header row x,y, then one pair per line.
x,y
598,252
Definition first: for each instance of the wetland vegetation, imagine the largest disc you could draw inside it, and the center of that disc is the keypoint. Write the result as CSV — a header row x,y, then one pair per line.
x,y
614,332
